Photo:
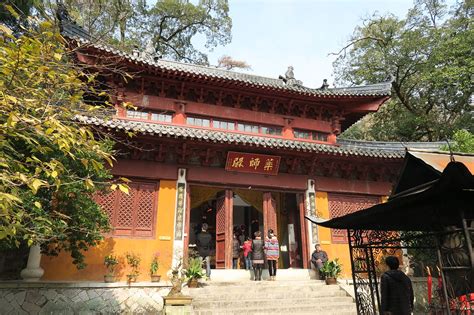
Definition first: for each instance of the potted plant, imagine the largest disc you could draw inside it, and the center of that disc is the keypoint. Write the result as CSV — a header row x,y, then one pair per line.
x,y
110,262
331,270
133,260
194,272
154,265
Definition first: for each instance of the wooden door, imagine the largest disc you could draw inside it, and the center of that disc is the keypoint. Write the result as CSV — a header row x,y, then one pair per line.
x,y
220,232
229,224
224,213
269,214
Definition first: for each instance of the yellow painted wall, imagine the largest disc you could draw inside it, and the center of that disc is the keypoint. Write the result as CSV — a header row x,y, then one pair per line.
x,y
340,251
62,268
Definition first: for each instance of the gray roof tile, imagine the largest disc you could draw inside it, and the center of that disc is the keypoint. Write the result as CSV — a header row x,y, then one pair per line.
x,y
186,132
73,31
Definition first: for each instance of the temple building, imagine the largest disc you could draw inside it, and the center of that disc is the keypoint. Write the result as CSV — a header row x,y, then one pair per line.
x,y
237,151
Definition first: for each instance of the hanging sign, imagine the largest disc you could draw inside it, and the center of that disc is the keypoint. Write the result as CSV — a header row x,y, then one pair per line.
x,y
252,163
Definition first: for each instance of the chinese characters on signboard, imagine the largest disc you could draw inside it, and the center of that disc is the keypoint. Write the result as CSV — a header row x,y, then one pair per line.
x,y
312,211
252,163
179,212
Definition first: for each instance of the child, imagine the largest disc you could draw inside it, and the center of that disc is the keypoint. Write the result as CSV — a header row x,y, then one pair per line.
x,y
247,247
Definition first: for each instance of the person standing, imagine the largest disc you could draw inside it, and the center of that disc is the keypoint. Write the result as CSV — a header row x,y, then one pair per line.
x,y
396,290
272,251
203,243
257,255
247,248
318,258
235,251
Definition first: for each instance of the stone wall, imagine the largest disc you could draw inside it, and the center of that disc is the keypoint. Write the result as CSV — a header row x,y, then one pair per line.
x,y
82,298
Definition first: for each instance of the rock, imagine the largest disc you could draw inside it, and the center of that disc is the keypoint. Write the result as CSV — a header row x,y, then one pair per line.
x,y
59,307
20,297
50,294
31,308
32,296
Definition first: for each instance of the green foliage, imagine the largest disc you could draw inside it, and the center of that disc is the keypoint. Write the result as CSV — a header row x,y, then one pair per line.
x,y
171,25
110,262
14,14
331,268
194,270
429,57
463,142
50,166
133,260
154,265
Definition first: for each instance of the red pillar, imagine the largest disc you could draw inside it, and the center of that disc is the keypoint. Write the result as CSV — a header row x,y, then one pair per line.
x,y
269,213
304,232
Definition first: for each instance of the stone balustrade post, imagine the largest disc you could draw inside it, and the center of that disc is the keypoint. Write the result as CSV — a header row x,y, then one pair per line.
x,y
33,271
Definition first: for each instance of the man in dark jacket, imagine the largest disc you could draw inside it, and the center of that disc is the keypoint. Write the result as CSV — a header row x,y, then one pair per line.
x,y
396,290
203,243
318,258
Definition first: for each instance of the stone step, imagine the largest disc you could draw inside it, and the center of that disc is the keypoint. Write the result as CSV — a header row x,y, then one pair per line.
x,y
225,275
333,308
271,297
300,311
274,296
270,284
277,282
263,288
271,302
232,295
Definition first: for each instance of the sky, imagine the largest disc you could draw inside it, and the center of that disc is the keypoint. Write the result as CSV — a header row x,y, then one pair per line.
x,y
271,35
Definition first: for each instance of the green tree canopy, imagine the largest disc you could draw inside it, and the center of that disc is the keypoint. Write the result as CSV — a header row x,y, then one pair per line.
x,y
428,56
463,141
172,26
50,166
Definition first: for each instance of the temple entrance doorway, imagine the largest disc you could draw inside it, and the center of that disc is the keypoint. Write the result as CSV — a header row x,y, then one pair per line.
x,y
242,212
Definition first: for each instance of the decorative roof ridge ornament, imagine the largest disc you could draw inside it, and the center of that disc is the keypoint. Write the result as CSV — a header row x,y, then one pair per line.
x,y
68,26
325,85
149,53
289,78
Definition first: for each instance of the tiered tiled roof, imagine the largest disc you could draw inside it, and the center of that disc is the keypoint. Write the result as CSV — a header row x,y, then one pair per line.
x,y
73,31
386,150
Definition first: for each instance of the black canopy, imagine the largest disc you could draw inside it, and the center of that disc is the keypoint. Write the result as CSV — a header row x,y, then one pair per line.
x,y
427,207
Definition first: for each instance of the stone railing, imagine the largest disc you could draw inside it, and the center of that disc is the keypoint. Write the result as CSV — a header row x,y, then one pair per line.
x,y
18,297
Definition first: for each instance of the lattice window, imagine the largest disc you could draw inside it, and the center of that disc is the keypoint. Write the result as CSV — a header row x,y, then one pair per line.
x,y
134,214
340,205
220,215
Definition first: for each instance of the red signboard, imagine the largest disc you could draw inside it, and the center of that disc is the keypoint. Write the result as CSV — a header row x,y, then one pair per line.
x,y
252,163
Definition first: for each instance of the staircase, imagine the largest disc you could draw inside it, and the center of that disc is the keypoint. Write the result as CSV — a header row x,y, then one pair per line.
x,y
271,297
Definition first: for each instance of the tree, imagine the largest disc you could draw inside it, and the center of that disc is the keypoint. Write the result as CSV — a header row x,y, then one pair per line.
x,y
50,166
429,58
463,141
228,63
15,15
171,25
